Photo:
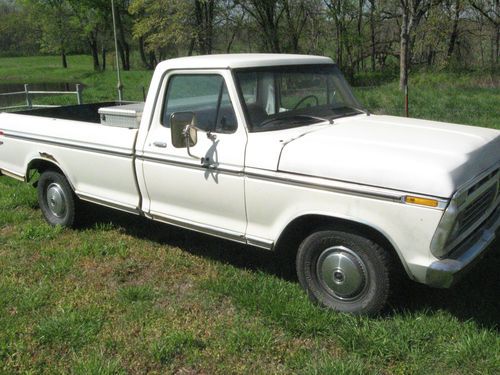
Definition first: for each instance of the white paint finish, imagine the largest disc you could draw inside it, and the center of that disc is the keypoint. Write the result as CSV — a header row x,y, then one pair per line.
x,y
271,206
191,193
241,60
358,169
412,155
264,148
75,133
99,174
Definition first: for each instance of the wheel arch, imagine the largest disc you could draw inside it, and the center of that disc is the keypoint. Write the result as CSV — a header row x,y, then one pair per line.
x,y
302,226
42,164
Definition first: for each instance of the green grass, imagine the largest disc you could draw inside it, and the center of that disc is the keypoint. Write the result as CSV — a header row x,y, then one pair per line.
x,y
470,99
98,86
123,295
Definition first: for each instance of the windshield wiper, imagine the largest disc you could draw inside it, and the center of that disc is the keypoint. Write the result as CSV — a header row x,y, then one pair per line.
x,y
271,120
359,109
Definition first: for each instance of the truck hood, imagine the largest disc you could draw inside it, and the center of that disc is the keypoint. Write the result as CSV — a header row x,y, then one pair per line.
x,y
418,156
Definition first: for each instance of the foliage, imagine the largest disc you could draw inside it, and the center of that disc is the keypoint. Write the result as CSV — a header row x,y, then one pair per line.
x,y
163,24
360,35
56,21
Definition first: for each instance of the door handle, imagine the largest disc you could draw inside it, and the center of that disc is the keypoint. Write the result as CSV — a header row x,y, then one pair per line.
x,y
160,144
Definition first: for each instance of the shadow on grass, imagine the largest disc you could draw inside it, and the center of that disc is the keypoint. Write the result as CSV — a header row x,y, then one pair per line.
x,y
474,298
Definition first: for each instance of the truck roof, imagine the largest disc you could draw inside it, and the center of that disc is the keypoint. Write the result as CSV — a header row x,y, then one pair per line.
x,y
242,60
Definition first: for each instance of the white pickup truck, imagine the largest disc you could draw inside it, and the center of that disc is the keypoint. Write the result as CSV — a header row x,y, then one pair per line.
x,y
274,151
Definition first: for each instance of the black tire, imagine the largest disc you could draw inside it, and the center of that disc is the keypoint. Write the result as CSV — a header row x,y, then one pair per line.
x,y
56,199
344,271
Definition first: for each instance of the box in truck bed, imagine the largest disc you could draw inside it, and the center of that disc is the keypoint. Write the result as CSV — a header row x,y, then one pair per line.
x,y
124,116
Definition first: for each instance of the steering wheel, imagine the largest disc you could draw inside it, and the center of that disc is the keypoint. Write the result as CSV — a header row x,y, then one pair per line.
x,y
305,98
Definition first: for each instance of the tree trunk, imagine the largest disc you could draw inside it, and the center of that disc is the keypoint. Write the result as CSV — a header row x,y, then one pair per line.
x,y
265,13
204,13
122,43
403,54
94,52
372,32
231,41
142,52
152,60
338,34
360,36
454,31
497,29
103,55
63,58
497,58
430,56
192,42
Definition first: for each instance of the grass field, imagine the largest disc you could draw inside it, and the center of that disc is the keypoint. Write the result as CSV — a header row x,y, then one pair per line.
x,y
124,295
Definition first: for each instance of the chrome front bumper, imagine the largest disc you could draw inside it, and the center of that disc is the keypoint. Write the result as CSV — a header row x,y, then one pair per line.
x,y
444,273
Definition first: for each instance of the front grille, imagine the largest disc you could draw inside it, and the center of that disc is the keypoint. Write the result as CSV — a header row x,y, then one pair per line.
x,y
477,208
474,210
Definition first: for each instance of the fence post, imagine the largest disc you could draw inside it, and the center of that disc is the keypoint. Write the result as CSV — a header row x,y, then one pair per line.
x,y
79,90
144,93
29,104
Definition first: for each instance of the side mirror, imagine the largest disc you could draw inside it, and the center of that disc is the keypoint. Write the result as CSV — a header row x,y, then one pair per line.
x,y
183,129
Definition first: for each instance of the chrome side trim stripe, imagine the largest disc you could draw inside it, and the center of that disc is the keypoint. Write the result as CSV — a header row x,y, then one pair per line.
x,y
292,180
69,145
338,186
107,203
14,175
200,167
303,181
206,229
260,242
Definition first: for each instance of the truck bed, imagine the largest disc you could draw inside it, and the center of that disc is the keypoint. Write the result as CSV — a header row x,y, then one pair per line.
x,y
97,159
81,112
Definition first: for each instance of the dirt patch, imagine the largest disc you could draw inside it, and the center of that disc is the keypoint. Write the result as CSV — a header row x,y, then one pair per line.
x,y
7,230
487,82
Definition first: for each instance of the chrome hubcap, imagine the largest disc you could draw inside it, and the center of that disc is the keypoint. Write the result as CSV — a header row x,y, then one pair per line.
x,y
56,200
342,272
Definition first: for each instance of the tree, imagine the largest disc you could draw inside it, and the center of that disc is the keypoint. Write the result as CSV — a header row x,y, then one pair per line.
x,y
490,10
56,21
17,38
412,12
164,26
91,18
296,15
267,14
204,14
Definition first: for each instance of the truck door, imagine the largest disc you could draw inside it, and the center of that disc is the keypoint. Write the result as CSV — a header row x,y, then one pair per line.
x,y
203,195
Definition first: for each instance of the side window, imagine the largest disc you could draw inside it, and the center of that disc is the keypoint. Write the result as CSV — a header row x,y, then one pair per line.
x,y
248,84
204,94
226,118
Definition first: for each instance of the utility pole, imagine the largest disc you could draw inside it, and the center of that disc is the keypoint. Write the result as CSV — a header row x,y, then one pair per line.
x,y
120,85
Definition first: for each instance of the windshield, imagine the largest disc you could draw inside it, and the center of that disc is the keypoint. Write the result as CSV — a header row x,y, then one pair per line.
x,y
285,97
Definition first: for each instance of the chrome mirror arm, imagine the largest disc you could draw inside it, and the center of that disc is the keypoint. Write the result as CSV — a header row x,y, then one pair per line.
x,y
186,132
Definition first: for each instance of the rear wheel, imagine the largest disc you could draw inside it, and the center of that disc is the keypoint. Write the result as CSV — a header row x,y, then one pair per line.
x,y
344,271
56,199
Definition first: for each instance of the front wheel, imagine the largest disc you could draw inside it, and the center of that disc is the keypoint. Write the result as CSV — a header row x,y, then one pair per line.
x,y
56,199
344,271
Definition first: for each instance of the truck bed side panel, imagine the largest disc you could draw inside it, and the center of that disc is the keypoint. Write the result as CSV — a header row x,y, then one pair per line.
x,y
97,160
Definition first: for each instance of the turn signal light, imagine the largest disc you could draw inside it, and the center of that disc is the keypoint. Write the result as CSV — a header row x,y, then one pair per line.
x,y
421,201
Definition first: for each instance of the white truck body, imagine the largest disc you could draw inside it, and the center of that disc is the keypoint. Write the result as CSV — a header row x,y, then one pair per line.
x,y
359,169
